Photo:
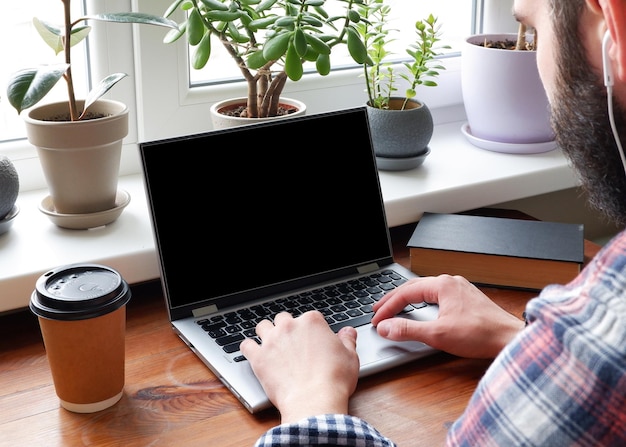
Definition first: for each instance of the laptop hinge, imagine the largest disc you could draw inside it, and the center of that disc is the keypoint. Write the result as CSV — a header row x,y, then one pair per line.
x,y
368,268
202,311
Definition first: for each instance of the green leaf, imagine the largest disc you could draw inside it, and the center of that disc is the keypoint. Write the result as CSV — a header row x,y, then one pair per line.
x,y
285,22
312,21
299,42
215,4
276,46
133,17
174,34
235,34
195,28
256,60
265,5
53,36
322,64
262,23
203,52
27,87
224,16
354,16
293,64
317,44
356,47
100,89
170,10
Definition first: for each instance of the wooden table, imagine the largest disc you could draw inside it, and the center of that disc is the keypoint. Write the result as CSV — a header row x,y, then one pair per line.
x,y
171,398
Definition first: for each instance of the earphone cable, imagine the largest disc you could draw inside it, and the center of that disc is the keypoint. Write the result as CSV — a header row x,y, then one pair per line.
x,y
609,92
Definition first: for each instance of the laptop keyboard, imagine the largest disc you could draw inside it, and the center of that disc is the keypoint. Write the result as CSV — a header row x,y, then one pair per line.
x,y
343,304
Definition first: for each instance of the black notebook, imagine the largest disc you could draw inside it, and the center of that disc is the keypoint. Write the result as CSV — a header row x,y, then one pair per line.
x,y
497,251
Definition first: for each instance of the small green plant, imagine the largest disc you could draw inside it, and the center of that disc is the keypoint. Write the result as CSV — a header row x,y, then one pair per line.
x,y
29,86
379,73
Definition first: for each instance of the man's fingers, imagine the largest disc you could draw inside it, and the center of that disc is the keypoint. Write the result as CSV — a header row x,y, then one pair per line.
x,y
348,335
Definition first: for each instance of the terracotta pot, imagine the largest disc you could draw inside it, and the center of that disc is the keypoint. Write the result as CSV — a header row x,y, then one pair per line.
x,y
221,121
80,159
504,98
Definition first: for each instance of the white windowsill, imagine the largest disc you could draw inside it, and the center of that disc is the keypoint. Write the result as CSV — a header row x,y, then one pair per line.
x,y
455,177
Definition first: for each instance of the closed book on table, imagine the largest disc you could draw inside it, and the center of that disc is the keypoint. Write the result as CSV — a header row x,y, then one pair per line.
x,y
497,251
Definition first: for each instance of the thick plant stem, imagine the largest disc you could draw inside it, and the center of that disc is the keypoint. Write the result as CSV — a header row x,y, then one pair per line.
x,y
66,50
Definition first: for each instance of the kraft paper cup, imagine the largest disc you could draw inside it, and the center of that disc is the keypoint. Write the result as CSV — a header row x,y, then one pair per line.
x,y
82,315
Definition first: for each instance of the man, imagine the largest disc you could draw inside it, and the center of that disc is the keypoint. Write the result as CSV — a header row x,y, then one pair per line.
x,y
559,379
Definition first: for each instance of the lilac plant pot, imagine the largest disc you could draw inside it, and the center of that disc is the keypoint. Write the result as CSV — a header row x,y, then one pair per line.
x,y
504,98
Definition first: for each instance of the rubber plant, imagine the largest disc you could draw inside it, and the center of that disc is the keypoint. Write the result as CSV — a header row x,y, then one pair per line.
x,y
269,40
379,72
29,86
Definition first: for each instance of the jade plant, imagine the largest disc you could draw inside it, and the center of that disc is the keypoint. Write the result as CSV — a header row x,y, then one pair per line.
x,y
381,78
29,86
270,41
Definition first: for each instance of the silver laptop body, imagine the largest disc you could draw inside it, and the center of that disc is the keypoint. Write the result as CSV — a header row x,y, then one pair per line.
x,y
267,212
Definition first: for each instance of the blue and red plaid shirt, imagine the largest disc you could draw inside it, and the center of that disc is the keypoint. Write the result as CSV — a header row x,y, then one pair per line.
x,y
561,382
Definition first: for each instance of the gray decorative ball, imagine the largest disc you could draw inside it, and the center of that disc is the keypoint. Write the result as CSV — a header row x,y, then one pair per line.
x,y
9,186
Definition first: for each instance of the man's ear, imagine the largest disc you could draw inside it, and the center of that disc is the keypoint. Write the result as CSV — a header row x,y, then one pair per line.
x,y
614,12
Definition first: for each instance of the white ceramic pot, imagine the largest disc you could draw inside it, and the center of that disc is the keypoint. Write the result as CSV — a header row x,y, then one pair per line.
x,y
504,98
80,159
221,121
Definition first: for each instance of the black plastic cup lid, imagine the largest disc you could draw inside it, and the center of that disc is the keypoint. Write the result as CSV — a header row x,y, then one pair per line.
x,y
78,292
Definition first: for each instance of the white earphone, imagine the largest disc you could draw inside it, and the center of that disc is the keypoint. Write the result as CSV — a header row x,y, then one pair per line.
x,y
608,82
606,63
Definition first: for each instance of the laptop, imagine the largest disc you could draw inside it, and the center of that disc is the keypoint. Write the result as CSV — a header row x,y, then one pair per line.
x,y
252,220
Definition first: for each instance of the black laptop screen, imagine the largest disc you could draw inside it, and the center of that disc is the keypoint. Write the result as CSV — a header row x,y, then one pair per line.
x,y
251,208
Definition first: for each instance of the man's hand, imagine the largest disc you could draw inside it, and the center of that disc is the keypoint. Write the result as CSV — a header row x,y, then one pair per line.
x,y
304,367
469,323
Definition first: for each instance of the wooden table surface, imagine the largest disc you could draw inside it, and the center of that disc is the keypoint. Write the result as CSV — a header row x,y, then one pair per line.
x,y
171,398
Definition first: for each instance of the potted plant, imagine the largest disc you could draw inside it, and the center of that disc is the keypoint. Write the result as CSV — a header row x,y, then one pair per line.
x,y
401,126
505,102
269,41
78,141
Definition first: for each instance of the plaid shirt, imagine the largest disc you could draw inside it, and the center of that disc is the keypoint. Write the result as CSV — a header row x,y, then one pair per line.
x,y
561,382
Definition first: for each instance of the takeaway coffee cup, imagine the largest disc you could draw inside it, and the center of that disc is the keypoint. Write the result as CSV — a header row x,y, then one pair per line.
x,y
82,315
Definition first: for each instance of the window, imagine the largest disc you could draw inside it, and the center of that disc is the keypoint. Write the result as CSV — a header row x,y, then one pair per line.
x,y
158,90
454,17
17,33
181,107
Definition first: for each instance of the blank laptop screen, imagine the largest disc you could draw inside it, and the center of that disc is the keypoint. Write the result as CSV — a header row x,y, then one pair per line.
x,y
258,208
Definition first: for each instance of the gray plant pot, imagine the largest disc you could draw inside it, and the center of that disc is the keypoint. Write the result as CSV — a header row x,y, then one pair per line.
x,y
400,137
81,159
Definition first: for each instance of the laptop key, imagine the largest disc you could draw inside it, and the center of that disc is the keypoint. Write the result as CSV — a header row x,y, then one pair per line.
x,y
355,322
228,339
232,347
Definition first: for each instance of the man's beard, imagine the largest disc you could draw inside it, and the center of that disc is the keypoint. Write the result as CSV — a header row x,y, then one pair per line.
x,y
580,120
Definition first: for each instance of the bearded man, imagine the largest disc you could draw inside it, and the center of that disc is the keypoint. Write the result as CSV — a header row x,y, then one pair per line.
x,y
557,379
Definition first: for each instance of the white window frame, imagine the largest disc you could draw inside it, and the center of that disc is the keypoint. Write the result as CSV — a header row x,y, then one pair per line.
x,y
162,105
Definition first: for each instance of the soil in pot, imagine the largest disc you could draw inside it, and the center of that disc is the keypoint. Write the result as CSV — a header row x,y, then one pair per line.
x,y
506,44
66,117
241,111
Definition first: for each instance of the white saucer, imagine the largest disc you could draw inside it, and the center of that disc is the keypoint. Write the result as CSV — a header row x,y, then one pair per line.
x,y
508,148
7,221
401,164
85,221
